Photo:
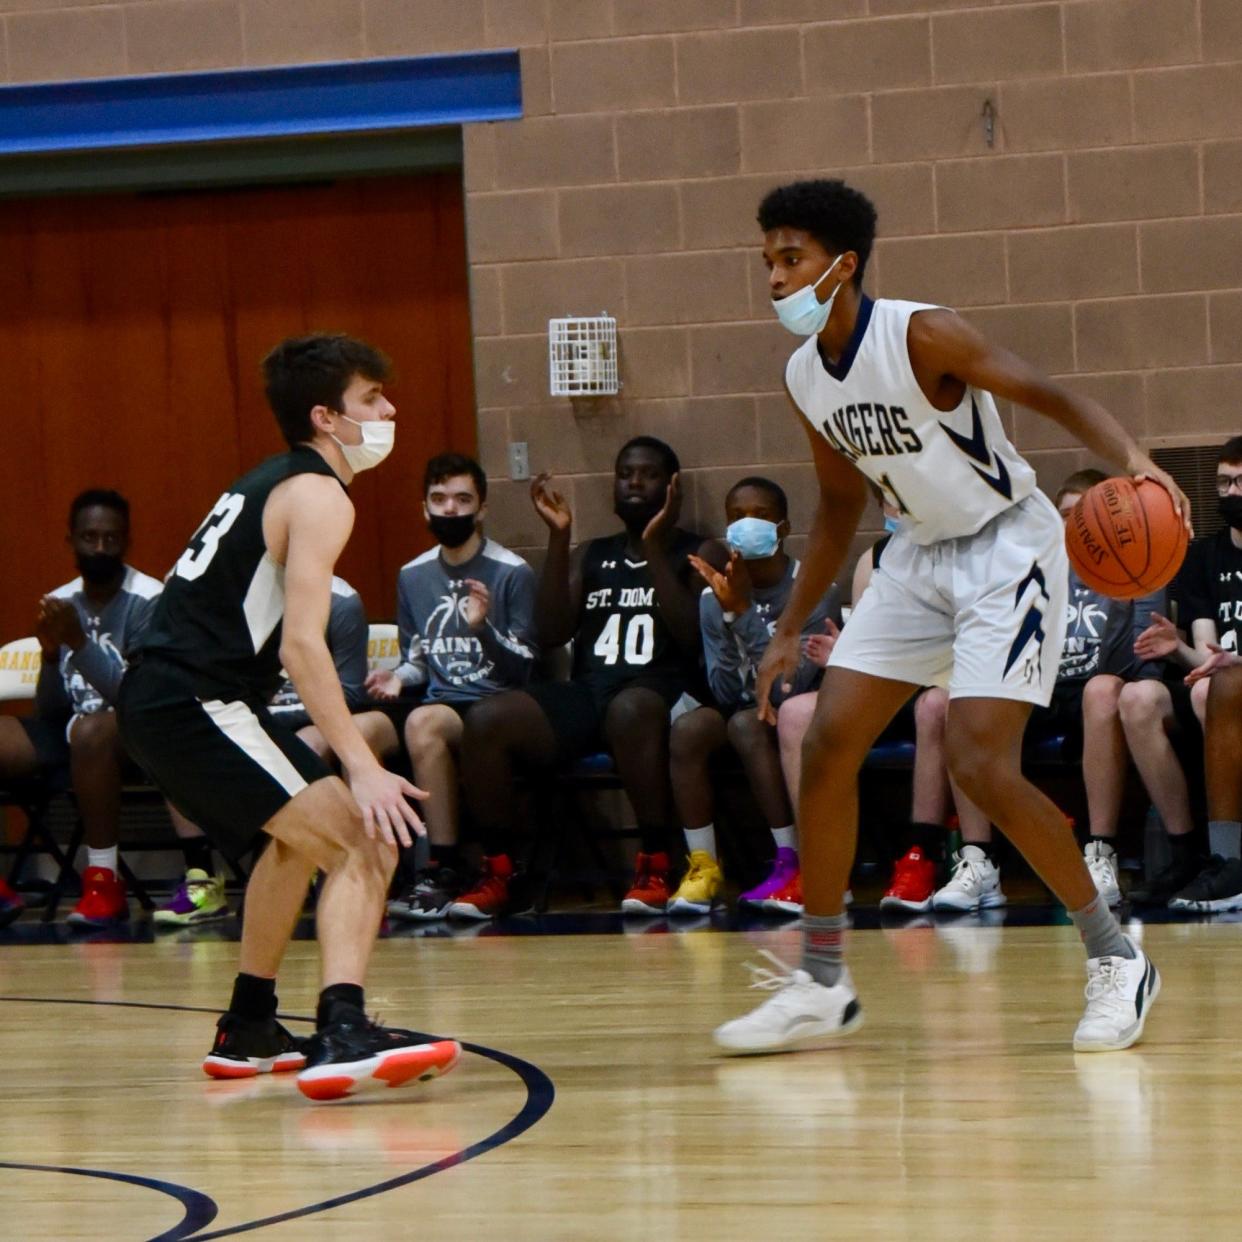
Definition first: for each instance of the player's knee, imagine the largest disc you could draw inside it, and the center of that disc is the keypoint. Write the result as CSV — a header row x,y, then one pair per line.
x,y
931,710
636,712
424,737
686,741
793,717
747,731
1143,704
94,735
1100,697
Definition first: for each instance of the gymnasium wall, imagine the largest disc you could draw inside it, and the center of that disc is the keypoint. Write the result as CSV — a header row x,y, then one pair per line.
x,y
1100,234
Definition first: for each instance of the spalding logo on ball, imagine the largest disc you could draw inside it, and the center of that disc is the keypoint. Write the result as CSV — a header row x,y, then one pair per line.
x,y
1125,539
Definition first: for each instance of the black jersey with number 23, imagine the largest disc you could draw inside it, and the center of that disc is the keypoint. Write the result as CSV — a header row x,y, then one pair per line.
x,y
219,617
623,639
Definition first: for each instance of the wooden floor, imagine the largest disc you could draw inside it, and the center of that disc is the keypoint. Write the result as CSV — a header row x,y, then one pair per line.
x,y
958,1111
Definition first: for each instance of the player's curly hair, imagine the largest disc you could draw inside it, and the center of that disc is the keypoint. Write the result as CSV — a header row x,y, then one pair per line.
x,y
839,217
305,371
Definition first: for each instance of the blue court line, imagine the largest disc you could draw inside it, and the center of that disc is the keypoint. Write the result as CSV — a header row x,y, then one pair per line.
x,y
201,1210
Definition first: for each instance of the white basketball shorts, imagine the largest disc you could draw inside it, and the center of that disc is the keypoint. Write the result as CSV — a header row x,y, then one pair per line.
x,y
983,615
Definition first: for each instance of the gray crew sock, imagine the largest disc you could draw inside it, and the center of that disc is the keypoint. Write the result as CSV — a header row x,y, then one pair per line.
x,y
823,947
1225,837
1100,931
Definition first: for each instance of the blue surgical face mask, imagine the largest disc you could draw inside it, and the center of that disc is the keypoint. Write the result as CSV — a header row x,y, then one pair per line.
x,y
802,313
753,537
891,524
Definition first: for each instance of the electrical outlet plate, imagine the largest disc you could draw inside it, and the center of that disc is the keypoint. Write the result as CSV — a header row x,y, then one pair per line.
x,y
519,460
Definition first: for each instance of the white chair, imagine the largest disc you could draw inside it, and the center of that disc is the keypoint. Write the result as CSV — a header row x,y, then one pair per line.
x,y
383,647
20,661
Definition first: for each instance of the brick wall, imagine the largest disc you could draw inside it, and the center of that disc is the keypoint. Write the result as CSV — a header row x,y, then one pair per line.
x,y
1101,235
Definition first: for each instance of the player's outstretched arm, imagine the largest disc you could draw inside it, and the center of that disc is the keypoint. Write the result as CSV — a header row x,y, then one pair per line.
x,y
315,518
842,497
943,345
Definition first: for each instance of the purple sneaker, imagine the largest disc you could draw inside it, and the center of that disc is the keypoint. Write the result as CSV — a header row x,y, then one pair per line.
x,y
784,869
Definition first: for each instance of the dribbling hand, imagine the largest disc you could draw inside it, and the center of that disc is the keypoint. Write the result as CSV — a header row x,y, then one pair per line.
x,y
387,815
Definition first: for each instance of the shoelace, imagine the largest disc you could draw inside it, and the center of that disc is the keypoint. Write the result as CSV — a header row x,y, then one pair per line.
x,y
968,873
765,980
1106,986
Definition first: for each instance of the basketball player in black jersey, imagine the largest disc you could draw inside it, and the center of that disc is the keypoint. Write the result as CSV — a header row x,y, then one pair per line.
x,y
252,592
630,603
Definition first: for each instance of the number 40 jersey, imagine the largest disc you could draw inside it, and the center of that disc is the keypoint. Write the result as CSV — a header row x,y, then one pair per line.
x,y
219,617
622,638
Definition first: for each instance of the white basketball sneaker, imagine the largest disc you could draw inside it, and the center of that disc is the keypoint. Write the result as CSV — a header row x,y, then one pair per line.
x,y
801,1013
1120,994
974,884
1101,860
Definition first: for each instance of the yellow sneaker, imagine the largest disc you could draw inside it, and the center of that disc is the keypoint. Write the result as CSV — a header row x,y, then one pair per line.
x,y
697,891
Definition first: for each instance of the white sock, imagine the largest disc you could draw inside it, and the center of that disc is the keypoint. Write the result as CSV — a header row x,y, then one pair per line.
x,y
109,858
786,838
702,839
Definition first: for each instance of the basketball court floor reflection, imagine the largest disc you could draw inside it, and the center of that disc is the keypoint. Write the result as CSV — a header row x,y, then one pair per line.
x,y
958,1110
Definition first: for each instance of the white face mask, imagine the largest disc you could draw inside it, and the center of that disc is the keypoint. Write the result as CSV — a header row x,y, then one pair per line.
x,y
802,313
378,437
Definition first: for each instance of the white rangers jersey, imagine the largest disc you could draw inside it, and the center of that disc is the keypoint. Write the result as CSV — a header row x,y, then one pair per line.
x,y
949,473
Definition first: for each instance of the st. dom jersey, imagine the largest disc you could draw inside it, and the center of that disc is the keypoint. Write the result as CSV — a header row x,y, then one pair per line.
x,y
622,638
219,618
949,473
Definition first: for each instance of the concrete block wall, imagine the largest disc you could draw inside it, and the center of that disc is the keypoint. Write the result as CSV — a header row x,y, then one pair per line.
x,y
1100,234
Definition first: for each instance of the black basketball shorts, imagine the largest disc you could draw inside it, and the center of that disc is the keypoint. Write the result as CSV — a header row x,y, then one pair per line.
x,y
227,766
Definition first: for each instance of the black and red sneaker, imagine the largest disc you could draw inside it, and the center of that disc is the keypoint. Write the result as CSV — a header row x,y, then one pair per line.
x,y
353,1053
244,1048
11,904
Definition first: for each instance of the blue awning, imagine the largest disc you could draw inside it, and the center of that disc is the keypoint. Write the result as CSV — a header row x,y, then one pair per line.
x,y
342,98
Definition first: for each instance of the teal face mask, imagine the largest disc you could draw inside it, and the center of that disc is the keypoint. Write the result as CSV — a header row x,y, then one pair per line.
x,y
891,524
753,537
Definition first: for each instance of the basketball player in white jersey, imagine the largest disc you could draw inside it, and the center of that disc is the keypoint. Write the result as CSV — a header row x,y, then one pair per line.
x,y
970,595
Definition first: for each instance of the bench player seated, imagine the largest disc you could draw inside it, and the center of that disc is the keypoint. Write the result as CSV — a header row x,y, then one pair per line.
x,y
1208,590
465,615
86,629
736,613
629,603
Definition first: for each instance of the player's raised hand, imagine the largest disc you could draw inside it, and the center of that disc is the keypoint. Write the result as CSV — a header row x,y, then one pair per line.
x,y
818,647
780,661
731,586
657,530
1159,640
382,686
478,601
1220,658
551,506
1147,469
383,798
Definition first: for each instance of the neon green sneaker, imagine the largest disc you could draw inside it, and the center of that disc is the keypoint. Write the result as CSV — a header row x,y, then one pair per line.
x,y
200,899
697,892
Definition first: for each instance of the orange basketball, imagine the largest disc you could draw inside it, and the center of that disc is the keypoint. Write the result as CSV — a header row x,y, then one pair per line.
x,y
1125,539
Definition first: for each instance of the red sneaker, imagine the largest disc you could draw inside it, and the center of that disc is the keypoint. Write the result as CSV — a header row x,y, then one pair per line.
x,y
489,896
788,898
11,904
914,881
650,892
103,900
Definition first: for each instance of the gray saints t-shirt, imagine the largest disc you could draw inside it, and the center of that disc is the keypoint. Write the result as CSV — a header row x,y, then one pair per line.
x,y
347,640
438,647
85,681
733,649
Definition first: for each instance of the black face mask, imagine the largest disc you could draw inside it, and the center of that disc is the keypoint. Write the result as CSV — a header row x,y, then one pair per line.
x,y
452,530
1231,510
100,568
